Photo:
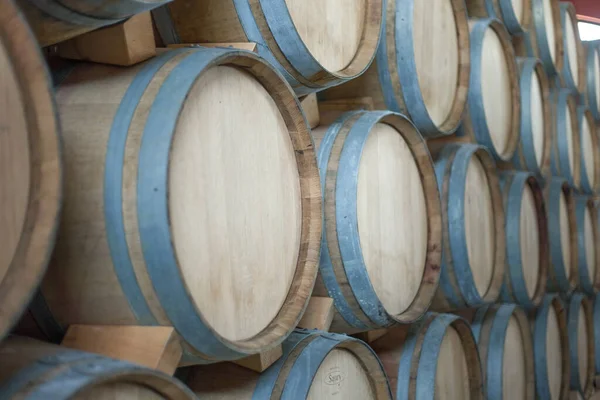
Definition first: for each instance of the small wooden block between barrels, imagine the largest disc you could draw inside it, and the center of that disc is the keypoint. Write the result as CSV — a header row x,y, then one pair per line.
x,y
250,46
318,314
262,361
156,347
124,44
331,110
310,106
371,336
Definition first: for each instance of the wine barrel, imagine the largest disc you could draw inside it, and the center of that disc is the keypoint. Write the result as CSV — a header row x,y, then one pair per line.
x,y
551,349
592,79
547,35
505,347
586,215
562,235
573,69
36,370
382,238
422,67
314,44
434,358
535,144
30,166
590,151
473,256
581,343
494,104
315,365
55,21
192,201
568,139
527,246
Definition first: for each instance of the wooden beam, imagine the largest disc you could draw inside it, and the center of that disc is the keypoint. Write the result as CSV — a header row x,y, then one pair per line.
x,y
318,314
310,106
262,361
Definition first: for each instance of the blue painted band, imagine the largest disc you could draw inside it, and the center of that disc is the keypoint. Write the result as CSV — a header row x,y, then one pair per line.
x,y
560,283
406,358
477,323
152,205
573,329
585,280
566,73
592,56
510,17
562,108
385,75
597,332
164,25
40,311
586,185
540,328
539,23
60,12
495,355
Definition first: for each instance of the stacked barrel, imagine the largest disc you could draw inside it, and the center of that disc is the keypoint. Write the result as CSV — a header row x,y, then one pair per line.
x,y
430,168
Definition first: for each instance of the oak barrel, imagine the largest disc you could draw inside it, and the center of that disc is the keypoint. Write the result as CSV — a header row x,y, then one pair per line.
x,y
563,272
55,21
551,349
436,358
547,35
505,347
527,245
588,237
473,256
573,68
590,151
30,369
315,44
535,144
592,80
192,201
381,246
567,141
493,113
314,365
422,67
30,166
581,343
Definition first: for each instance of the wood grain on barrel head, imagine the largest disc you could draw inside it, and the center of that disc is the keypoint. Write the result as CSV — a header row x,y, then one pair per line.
x,y
569,118
538,127
571,42
14,162
235,204
565,234
530,241
496,91
452,376
514,384
341,376
436,56
588,150
479,225
582,346
331,30
392,218
119,390
548,9
554,354
590,242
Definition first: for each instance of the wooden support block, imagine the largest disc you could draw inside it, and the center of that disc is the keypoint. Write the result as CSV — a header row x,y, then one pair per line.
x,y
331,110
125,44
371,336
318,314
156,347
262,361
250,46
310,106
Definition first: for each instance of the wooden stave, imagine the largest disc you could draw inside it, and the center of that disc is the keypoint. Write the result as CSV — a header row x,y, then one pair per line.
x,y
269,24
557,280
61,373
350,306
539,325
513,288
591,51
453,294
524,157
498,316
474,124
566,103
586,187
31,258
540,39
574,304
509,17
587,284
567,10
214,347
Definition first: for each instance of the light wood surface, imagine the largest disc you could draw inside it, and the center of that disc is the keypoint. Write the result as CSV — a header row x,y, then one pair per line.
x,y
260,362
155,347
589,233
479,225
243,169
589,149
117,391
565,217
537,115
550,25
496,88
392,218
554,354
310,106
318,314
341,376
582,346
331,30
572,48
437,56
530,241
514,383
452,374
518,7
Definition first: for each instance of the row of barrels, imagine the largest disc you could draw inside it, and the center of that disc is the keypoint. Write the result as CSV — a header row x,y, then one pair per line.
x,y
494,352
